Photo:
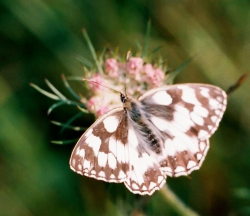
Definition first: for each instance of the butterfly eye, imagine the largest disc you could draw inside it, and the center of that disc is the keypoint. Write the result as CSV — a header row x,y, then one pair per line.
x,y
123,98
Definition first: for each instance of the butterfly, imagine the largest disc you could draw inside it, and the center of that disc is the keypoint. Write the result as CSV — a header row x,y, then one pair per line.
x,y
165,132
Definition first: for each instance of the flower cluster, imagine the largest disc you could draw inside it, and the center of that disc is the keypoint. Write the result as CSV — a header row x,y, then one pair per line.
x,y
135,75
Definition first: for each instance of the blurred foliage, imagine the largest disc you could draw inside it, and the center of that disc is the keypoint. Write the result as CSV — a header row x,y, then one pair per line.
x,y
40,38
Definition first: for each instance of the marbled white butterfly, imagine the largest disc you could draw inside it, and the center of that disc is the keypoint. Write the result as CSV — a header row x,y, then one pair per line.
x,y
163,133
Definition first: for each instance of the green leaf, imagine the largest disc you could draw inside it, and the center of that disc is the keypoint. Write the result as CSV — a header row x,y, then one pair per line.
x,y
59,94
156,49
177,71
72,92
48,94
55,106
144,49
64,142
76,116
92,50
83,60
68,126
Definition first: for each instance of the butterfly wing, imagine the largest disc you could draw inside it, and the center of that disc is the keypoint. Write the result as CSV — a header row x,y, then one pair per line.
x,y
110,151
102,151
145,176
186,116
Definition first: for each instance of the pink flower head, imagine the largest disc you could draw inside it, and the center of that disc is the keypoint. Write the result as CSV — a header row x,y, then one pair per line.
x,y
94,86
103,110
148,70
134,66
154,76
111,67
96,105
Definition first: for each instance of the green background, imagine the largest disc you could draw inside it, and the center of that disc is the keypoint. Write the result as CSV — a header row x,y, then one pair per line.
x,y
39,39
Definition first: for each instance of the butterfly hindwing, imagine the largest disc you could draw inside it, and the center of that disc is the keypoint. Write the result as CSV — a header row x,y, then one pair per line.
x,y
102,152
145,175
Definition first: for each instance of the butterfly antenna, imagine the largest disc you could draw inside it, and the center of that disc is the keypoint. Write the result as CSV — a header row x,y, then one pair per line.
x,y
96,83
126,69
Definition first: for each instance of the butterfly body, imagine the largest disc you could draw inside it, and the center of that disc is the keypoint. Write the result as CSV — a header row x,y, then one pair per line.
x,y
163,133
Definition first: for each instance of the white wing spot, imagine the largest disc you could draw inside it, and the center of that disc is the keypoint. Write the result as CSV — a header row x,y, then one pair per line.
x,y
121,174
199,156
213,103
191,164
102,174
214,118
111,123
218,98
217,112
102,159
179,169
202,146
93,140
162,98
89,132
160,179
201,111
188,95
210,127
151,185
82,153
202,133
204,92
112,161
170,149
79,166
86,164
196,118
135,186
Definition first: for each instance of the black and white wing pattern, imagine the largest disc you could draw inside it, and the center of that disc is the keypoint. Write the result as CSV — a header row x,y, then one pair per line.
x,y
163,133
102,151
186,115
108,151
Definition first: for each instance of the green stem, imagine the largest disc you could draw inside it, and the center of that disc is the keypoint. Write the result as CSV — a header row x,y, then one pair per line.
x,y
176,203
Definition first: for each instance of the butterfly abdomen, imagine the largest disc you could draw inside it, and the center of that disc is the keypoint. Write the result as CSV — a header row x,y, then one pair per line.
x,y
137,115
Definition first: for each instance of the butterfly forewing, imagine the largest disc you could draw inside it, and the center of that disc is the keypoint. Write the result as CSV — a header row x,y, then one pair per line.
x,y
187,115
102,152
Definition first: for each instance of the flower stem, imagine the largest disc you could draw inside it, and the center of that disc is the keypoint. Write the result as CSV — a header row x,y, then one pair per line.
x,y
176,203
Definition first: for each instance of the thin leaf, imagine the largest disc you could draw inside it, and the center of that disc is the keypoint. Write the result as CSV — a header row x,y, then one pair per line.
x,y
55,106
83,60
71,91
83,109
68,126
70,121
59,94
64,142
138,45
48,94
178,70
92,50
76,78
156,49
144,49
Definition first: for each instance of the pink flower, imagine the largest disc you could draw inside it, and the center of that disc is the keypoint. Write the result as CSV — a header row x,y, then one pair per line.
x,y
148,70
91,104
134,66
103,110
96,105
154,76
111,67
94,86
